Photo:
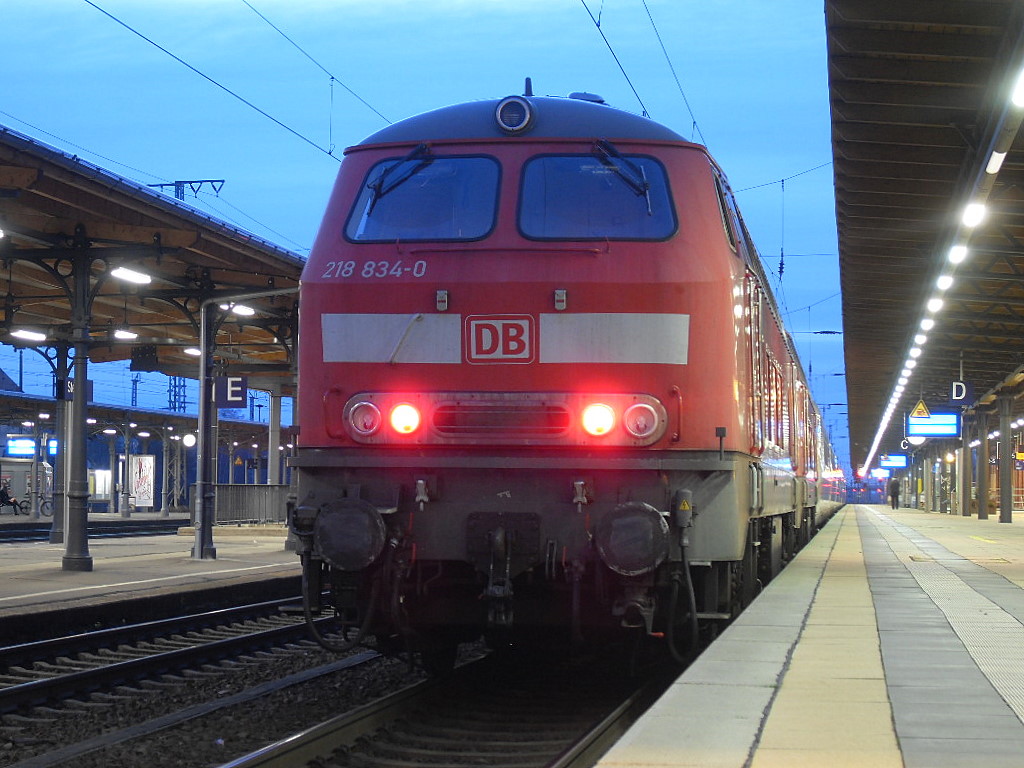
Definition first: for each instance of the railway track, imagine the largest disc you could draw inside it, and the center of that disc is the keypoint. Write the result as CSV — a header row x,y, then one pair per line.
x,y
49,671
142,698
39,530
562,716
69,699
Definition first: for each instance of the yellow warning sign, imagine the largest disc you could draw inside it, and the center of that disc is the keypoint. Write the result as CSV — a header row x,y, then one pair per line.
x,y
920,411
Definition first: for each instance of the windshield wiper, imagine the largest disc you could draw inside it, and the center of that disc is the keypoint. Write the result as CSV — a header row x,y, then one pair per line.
x,y
631,174
385,184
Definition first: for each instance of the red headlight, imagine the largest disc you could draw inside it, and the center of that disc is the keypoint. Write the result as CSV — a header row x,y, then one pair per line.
x,y
405,418
598,419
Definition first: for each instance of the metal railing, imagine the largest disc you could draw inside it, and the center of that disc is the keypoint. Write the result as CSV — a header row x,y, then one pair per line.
x,y
251,503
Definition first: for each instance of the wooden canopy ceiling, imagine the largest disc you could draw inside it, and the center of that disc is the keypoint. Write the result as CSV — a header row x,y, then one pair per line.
x,y
919,94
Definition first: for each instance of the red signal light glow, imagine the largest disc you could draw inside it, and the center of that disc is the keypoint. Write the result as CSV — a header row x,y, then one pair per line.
x,y
405,418
598,419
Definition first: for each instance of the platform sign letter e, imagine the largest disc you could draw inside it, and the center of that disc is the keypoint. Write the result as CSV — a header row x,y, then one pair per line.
x,y
499,339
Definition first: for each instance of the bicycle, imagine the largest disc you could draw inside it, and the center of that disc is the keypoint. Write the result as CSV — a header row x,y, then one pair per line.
x,y
12,502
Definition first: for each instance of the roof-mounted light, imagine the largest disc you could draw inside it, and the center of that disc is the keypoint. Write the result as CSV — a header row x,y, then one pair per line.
x,y
514,114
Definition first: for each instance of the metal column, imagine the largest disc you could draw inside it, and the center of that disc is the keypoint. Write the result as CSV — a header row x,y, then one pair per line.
x,y
983,464
274,441
77,555
1005,459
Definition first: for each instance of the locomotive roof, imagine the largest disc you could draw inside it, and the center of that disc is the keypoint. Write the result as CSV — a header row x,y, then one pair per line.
x,y
554,117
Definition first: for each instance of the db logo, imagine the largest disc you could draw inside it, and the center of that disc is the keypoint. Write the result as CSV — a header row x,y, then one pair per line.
x,y
499,339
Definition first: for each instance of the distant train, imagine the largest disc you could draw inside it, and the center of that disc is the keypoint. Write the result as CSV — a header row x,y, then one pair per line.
x,y
544,390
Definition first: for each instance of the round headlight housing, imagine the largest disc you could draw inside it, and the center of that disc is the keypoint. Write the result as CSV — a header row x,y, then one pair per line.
x,y
365,418
640,420
513,114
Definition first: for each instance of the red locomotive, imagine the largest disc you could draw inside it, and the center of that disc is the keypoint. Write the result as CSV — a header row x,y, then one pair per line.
x,y
543,386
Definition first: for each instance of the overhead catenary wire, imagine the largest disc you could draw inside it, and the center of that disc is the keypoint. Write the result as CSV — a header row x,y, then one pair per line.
x,y
783,181
209,79
679,85
334,78
147,174
597,25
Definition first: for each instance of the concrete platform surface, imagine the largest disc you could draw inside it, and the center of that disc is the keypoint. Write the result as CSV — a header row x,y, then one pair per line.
x,y
32,577
895,638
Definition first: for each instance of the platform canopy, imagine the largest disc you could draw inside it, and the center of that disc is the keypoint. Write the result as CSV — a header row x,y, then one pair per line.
x,y
921,99
63,218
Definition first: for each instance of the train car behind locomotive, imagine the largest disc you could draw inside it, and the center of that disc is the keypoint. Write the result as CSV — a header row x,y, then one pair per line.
x,y
543,386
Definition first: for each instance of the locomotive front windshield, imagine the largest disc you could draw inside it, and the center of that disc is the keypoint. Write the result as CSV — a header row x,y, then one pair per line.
x,y
603,195
421,197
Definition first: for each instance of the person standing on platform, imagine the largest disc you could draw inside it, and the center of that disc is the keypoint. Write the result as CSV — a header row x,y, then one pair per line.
x,y
894,493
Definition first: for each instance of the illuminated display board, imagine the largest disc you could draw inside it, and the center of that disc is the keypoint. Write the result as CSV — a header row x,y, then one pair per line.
x,y
19,445
893,461
934,425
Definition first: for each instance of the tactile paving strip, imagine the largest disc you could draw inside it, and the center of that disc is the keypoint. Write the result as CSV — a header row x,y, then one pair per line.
x,y
993,637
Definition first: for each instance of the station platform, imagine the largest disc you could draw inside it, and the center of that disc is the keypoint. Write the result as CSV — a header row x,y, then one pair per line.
x,y
894,638
35,588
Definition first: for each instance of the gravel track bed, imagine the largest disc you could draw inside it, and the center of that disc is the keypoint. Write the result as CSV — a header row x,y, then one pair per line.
x,y
214,739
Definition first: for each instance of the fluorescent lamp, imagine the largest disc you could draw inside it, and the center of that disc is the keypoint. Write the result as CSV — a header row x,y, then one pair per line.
x,y
1018,91
944,282
995,162
124,333
974,214
131,276
194,351
27,335
957,254
934,305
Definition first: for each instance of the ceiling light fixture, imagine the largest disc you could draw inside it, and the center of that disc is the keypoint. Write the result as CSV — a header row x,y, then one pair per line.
x,y
131,276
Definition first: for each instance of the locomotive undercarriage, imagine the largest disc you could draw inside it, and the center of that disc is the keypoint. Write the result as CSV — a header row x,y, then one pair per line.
x,y
423,561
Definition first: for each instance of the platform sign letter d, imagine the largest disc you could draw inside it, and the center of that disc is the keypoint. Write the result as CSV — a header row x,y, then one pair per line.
x,y
960,393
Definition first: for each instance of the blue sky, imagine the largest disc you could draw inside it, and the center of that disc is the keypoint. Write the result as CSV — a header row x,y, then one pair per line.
x,y
751,74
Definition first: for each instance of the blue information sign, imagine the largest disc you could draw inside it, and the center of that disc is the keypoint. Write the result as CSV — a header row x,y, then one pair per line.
x,y
934,425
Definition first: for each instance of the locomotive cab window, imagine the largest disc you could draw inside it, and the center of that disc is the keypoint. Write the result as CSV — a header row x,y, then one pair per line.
x,y
422,197
603,195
